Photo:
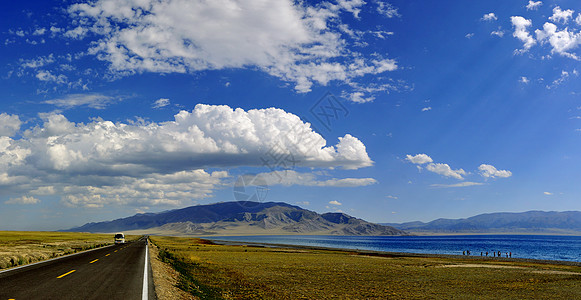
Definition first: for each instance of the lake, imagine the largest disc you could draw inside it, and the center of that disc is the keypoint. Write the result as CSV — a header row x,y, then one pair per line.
x,y
567,248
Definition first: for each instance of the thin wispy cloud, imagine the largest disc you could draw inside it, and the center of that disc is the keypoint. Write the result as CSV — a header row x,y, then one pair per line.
x,y
24,200
457,185
96,101
162,102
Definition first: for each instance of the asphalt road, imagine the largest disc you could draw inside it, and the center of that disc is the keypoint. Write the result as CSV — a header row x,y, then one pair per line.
x,y
115,272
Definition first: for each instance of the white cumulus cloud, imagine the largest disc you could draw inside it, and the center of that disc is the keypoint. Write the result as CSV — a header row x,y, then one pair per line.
x,y
562,16
208,136
489,171
291,40
558,33
489,17
486,171
561,41
419,159
103,163
521,32
446,170
534,5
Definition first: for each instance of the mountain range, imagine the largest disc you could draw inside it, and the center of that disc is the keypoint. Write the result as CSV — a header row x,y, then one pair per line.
x,y
241,218
531,222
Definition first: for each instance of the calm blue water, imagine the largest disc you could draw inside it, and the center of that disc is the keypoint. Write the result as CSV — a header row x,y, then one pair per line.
x,y
522,246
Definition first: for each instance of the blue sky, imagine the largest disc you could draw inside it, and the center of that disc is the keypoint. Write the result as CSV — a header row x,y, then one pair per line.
x,y
390,111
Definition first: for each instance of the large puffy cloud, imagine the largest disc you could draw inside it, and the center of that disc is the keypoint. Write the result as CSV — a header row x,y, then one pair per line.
x,y
208,136
103,163
291,40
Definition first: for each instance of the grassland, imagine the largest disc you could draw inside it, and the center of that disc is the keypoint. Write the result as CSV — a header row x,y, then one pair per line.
x,y
209,271
24,247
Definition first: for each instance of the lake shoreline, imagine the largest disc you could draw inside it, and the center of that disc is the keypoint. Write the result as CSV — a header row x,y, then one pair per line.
x,y
395,254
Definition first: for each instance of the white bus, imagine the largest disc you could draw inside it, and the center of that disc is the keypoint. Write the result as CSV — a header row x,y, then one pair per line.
x,y
119,238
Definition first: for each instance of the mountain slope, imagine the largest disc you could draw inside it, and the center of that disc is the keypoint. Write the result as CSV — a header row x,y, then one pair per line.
x,y
568,222
242,217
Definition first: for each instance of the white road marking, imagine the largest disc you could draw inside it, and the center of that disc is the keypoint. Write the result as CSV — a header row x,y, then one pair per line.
x,y
145,284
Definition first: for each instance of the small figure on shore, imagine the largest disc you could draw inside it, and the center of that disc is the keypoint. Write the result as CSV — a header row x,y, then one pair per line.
x,y
463,252
506,254
480,253
468,252
510,254
494,254
486,253
499,254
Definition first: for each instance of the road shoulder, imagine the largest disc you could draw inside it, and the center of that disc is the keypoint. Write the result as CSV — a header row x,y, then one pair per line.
x,y
165,278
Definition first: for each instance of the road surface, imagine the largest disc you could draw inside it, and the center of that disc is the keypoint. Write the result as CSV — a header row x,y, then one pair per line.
x,y
115,272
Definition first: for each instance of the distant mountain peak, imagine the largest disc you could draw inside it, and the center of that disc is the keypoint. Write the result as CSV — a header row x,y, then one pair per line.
x,y
541,222
242,217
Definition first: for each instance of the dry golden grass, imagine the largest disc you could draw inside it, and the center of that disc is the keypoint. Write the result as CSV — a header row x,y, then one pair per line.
x,y
165,278
240,272
23,247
